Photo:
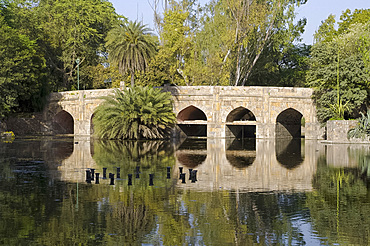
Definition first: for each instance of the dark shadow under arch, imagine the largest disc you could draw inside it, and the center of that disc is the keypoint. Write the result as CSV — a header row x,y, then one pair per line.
x,y
63,123
288,124
92,125
191,113
238,123
240,114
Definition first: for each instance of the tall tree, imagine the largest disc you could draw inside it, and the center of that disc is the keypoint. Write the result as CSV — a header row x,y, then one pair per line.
x,y
338,70
220,43
68,30
21,67
131,46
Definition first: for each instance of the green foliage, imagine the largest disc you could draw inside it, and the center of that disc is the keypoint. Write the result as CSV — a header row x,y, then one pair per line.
x,y
257,25
131,46
103,77
40,41
136,113
172,58
287,68
362,130
326,30
338,109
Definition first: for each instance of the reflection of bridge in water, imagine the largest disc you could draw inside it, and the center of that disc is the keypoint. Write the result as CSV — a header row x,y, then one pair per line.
x,y
226,165
261,169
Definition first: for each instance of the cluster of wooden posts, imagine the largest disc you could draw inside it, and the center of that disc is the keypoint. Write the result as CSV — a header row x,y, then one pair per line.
x,y
91,175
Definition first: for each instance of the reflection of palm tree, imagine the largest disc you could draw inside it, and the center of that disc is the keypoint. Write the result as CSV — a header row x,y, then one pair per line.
x,y
131,46
131,152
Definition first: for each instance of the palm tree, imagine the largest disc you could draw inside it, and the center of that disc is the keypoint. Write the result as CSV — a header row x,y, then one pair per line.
x,y
131,46
136,113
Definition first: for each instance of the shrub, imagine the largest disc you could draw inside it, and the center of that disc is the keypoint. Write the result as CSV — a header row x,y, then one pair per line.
x,y
362,130
136,113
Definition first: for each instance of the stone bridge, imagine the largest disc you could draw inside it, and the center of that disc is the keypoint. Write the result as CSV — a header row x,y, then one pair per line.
x,y
204,111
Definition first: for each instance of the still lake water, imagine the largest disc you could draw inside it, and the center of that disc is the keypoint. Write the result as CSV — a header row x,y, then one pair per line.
x,y
250,192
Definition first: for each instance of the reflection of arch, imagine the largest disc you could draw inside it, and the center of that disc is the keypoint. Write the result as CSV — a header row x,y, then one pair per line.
x,y
289,152
92,125
191,113
241,159
63,123
192,152
288,124
240,114
190,158
60,150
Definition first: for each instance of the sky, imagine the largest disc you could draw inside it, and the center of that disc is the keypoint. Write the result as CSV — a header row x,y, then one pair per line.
x,y
314,10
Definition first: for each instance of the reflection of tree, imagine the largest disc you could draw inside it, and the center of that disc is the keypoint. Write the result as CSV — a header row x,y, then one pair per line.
x,y
25,201
229,218
362,155
130,221
36,210
340,204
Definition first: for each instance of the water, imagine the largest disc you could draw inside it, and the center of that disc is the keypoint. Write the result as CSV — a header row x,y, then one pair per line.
x,y
250,192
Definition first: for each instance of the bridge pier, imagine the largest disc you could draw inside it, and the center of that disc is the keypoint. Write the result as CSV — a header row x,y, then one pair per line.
x,y
82,127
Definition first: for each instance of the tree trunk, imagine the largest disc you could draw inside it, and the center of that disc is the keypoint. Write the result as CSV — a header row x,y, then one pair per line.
x,y
132,79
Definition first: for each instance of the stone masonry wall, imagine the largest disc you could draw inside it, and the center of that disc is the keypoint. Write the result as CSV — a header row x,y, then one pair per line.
x,y
337,130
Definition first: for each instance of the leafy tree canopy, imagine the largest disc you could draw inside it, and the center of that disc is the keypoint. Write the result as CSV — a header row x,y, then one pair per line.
x,y
221,43
40,41
21,70
73,29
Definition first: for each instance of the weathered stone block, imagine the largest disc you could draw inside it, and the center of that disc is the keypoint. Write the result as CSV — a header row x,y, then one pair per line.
x,y
336,130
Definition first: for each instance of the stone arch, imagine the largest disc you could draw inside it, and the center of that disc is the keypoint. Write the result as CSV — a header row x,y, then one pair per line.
x,y
63,123
288,124
240,123
240,114
192,121
191,113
